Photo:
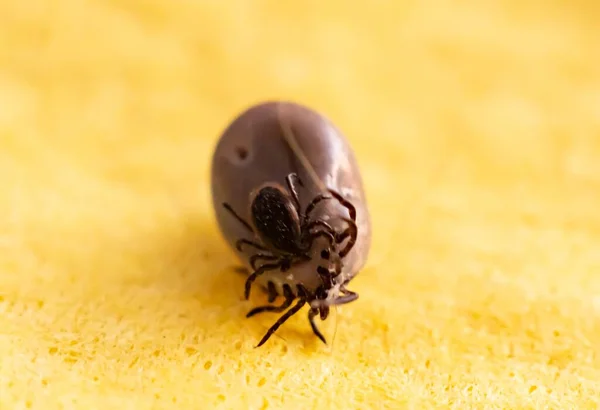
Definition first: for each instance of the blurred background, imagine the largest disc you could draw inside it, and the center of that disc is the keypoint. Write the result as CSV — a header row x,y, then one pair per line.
x,y
477,127
480,76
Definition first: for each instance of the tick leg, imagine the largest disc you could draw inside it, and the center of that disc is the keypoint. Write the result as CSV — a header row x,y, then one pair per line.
x,y
345,203
338,267
262,256
240,242
341,237
349,297
282,320
324,312
289,298
314,203
290,183
328,232
257,273
236,216
272,292
311,318
322,223
314,235
352,232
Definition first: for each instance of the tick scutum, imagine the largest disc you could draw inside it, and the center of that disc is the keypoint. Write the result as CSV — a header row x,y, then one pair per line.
x,y
276,220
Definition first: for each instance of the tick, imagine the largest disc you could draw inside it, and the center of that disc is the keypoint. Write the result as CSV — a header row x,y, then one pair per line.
x,y
289,199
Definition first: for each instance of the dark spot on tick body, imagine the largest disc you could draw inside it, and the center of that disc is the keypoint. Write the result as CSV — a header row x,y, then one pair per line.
x,y
241,152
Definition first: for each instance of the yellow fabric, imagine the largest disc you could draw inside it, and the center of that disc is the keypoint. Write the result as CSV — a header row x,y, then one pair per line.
x,y
477,127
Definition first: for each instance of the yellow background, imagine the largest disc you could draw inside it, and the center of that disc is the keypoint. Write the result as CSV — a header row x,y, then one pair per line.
x,y
477,126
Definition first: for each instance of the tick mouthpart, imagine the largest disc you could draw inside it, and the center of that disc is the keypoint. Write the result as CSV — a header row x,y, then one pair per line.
x,y
326,297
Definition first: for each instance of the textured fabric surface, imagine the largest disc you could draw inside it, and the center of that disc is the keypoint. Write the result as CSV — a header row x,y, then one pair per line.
x,y
477,128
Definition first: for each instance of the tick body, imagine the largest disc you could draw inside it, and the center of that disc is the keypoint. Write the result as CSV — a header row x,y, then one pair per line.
x,y
288,198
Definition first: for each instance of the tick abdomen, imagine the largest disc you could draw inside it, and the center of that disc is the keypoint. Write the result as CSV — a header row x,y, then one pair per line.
x,y
253,152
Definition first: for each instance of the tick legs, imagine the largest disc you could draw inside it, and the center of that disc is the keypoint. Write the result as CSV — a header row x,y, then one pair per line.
x,y
345,203
322,223
302,300
236,216
271,292
314,203
328,232
347,298
312,313
321,197
240,242
282,320
351,232
264,268
263,256
289,298
311,318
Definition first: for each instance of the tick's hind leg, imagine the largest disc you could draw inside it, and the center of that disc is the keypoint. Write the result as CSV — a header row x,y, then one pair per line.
x,y
289,298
